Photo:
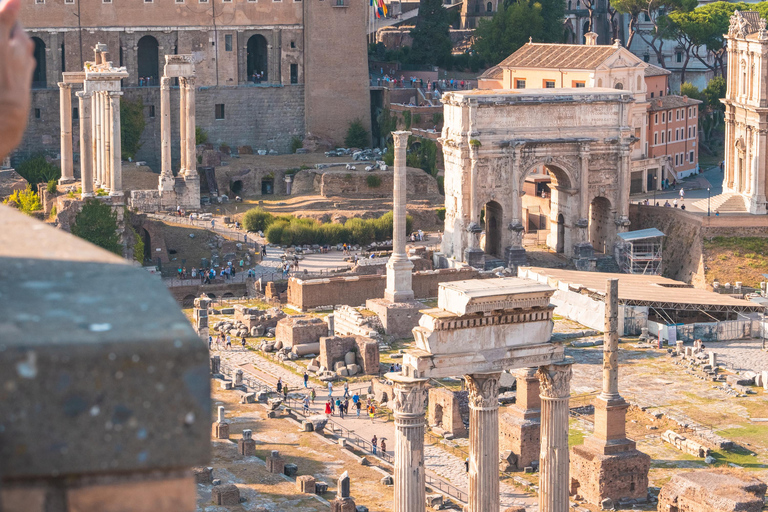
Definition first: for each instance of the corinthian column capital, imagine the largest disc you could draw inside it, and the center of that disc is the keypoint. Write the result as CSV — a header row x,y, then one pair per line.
x,y
483,390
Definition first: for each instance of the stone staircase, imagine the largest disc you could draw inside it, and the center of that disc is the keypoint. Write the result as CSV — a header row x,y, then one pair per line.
x,y
607,264
723,203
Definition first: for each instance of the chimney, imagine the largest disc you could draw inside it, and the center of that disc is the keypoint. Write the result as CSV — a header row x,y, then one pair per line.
x,y
590,39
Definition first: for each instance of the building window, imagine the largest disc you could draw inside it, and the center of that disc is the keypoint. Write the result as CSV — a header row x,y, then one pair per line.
x,y
106,1
619,86
669,135
151,111
694,132
679,56
39,1
646,17
228,42
549,84
203,1
690,156
147,1
489,7
75,114
293,44
663,117
656,118
219,111
179,1
651,95
294,73
676,159
662,137
655,138
477,7
520,83
37,113
69,1
578,84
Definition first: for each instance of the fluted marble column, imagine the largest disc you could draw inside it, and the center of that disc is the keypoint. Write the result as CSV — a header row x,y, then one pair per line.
x,y
65,117
116,179
106,136
86,144
191,168
183,124
554,478
399,267
483,441
166,170
97,153
410,491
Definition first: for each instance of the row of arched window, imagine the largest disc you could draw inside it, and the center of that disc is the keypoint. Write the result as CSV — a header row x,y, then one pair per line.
x,y
148,63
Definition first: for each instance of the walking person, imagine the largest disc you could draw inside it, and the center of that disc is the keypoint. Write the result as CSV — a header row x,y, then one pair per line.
x,y
306,379
346,389
330,390
374,444
340,405
306,405
279,385
383,447
210,342
358,405
328,411
242,342
372,412
285,392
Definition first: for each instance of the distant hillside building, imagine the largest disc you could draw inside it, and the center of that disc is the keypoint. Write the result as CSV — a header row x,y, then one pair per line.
x,y
266,71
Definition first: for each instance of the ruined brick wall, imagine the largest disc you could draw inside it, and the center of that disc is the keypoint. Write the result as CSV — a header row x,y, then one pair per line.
x,y
444,410
333,349
344,183
712,491
294,331
520,436
355,290
367,355
596,476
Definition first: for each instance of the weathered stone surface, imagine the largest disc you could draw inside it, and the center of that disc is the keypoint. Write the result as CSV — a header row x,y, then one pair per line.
x,y
226,495
448,410
712,491
275,463
306,483
290,470
298,330
203,475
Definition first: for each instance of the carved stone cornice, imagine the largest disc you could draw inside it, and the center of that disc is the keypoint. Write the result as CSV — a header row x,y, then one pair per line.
x,y
483,390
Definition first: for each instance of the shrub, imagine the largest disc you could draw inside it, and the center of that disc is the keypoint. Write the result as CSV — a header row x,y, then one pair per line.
x,y
256,219
441,214
53,213
138,247
441,185
132,124
296,143
37,169
475,143
373,181
292,231
97,223
201,136
437,118
52,187
25,200
360,231
407,119
416,118
357,135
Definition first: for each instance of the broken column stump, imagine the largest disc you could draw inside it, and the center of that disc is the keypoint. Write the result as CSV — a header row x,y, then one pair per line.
x,y
246,447
275,463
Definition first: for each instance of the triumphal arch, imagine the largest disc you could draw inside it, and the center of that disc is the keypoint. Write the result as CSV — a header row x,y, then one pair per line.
x,y
579,139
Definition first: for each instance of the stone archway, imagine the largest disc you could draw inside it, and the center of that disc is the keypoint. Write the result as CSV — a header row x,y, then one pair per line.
x,y
560,233
148,63
257,59
599,224
560,201
494,221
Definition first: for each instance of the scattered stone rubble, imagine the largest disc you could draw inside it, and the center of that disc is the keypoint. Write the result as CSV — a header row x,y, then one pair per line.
x,y
684,444
712,491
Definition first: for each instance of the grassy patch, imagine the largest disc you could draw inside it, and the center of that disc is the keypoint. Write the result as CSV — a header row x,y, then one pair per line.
x,y
725,255
575,434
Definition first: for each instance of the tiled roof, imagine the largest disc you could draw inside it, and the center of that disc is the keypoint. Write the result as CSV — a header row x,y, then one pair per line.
x,y
753,21
672,101
568,56
653,70
493,73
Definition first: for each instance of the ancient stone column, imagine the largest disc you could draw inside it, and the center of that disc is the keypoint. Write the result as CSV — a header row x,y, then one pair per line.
x,y
98,153
65,117
623,188
166,171
116,181
483,441
191,167
86,144
410,491
554,481
183,124
106,136
611,342
399,279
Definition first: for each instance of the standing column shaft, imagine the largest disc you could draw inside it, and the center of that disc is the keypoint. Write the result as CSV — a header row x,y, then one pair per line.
x,y
611,341
190,109
584,185
410,490
106,137
116,182
483,442
399,279
98,154
183,124
165,125
86,144
554,478
65,117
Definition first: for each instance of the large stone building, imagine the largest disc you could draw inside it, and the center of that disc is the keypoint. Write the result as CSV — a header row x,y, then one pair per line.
x,y
265,71
746,116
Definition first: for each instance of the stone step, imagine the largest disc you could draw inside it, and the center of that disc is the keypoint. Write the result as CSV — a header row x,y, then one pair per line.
x,y
728,202
607,264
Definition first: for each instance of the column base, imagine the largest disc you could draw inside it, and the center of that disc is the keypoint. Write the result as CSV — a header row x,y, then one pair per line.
x,y
86,194
397,318
596,476
116,193
66,181
343,505
474,257
515,257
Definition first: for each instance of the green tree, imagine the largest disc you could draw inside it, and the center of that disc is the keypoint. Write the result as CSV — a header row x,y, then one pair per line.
x,y
509,29
431,36
97,223
357,135
201,136
257,219
132,124
37,169
25,200
714,92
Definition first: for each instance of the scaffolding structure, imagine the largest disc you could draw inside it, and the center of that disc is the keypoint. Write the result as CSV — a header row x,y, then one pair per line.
x,y
640,252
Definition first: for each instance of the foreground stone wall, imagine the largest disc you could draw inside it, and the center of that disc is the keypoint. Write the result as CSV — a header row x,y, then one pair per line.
x,y
712,491
356,290
344,182
447,410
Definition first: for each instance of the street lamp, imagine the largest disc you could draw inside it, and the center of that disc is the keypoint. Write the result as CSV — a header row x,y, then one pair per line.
x,y
708,196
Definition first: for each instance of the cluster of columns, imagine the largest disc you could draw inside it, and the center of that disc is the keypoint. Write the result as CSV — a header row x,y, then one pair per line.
x,y
186,129
409,394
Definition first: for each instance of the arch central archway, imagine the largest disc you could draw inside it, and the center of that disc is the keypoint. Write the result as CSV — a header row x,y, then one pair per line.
x,y
600,224
257,59
547,192
147,56
494,221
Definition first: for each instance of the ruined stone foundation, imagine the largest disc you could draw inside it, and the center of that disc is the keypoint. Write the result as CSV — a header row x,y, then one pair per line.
x,y
597,476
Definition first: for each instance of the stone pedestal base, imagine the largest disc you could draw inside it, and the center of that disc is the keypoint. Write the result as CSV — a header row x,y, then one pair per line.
x,y
221,430
343,505
306,484
397,318
66,181
522,437
275,463
227,495
474,258
515,257
246,447
596,476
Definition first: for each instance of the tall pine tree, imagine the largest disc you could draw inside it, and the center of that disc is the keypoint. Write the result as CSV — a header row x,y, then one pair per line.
x,y
431,37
